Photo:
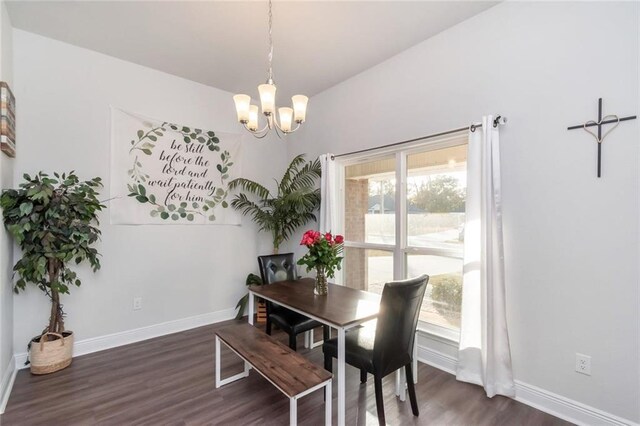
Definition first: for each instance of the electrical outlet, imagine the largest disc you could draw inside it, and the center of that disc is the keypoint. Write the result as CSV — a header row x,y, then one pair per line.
x,y
137,303
583,364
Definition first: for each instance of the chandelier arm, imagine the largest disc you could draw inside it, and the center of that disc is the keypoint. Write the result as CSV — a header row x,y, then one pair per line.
x,y
262,136
259,135
280,133
297,127
275,123
262,131
278,127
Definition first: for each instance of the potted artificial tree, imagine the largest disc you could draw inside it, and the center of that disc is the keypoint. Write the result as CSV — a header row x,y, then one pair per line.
x,y
292,205
54,221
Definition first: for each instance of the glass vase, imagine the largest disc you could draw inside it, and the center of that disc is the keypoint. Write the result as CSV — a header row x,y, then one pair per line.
x,y
321,288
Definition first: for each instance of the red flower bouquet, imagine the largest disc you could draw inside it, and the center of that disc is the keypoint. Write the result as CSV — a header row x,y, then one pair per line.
x,y
324,256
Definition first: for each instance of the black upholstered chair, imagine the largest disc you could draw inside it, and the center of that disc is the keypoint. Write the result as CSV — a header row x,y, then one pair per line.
x,y
281,267
383,348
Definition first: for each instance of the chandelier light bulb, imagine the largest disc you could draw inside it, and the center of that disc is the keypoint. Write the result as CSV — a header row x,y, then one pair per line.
x,y
253,118
286,115
299,107
242,107
267,98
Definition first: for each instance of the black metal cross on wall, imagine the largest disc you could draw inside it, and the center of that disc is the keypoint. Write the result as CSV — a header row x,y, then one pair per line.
x,y
608,119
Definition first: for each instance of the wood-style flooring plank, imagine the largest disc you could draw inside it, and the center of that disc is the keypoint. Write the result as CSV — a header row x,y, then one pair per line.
x,y
170,381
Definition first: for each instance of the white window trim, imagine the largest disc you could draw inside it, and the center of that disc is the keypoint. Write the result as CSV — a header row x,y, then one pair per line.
x,y
445,333
401,249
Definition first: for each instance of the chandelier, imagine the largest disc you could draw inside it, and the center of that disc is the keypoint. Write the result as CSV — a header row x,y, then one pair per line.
x,y
248,113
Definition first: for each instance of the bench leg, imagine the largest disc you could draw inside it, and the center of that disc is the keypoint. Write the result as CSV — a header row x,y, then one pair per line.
x,y
217,362
293,411
327,404
220,381
293,404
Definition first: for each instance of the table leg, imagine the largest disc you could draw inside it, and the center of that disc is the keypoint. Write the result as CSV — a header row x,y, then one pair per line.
x,y
251,308
247,367
308,338
293,411
403,384
415,359
341,378
328,396
401,378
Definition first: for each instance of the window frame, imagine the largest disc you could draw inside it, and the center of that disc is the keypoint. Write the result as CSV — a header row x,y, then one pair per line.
x,y
401,250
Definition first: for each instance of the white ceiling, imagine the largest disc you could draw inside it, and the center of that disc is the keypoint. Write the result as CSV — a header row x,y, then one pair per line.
x,y
224,44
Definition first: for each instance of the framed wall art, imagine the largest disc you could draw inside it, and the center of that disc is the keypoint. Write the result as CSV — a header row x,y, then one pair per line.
x,y
7,120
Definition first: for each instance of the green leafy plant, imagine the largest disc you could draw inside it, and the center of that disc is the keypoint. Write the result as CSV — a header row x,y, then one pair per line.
x,y
54,221
281,213
441,194
252,279
291,206
447,291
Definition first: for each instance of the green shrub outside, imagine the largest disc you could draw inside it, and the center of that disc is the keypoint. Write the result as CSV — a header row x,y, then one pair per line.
x,y
447,289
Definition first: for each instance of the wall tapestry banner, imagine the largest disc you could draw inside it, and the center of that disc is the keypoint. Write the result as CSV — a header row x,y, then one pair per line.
x,y
168,173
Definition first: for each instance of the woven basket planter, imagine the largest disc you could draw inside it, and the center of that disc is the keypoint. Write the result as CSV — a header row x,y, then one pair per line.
x,y
50,356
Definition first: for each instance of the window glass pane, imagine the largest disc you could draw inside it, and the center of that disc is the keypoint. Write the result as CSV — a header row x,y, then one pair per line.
x,y
443,297
370,201
366,269
436,190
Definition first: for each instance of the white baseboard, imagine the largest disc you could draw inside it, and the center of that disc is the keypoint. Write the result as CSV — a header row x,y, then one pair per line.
x,y
541,399
437,359
7,383
566,408
95,344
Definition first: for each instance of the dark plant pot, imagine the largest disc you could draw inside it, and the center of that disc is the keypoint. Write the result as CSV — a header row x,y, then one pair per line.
x,y
49,356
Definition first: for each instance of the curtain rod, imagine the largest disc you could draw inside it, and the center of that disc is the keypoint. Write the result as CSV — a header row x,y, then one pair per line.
x,y
498,120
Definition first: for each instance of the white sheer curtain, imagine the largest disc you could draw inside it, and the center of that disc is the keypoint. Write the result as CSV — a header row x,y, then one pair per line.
x,y
484,357
327,193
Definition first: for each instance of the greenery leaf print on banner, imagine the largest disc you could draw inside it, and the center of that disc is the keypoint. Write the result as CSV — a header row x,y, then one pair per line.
x,y
180,172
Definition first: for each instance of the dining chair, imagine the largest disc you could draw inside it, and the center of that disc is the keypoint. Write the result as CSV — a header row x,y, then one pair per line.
x,y
281,267
383,346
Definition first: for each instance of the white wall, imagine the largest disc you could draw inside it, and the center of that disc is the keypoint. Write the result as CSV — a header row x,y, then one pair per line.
x,y
571,239
6,245
180,271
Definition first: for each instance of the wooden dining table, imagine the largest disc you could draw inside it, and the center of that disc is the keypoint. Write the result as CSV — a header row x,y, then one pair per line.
x,y
342,308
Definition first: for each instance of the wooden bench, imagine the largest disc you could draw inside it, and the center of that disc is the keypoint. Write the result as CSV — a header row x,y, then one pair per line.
x,y
294,375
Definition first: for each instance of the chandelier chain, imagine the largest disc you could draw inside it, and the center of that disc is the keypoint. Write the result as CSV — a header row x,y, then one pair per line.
x,y
270,70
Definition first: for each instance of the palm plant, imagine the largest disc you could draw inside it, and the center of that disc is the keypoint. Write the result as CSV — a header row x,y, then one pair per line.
x,y
292,205
281,213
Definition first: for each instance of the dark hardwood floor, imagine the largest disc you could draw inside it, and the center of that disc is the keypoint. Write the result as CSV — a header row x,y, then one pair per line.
x,y
170,381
